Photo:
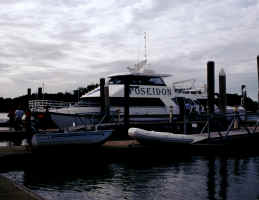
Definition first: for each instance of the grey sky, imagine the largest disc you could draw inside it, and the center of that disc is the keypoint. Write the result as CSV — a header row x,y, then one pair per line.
x,y
71,43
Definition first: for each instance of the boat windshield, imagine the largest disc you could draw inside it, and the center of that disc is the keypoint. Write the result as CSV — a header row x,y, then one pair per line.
x,y
137,80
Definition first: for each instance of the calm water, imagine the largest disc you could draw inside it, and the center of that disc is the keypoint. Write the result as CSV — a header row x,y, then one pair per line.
x,y
179,178
162,177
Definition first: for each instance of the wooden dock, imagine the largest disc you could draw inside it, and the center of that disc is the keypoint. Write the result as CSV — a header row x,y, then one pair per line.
x,y
11,135
10,190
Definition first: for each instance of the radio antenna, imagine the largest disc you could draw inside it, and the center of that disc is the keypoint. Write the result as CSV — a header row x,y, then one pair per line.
x,y
145,37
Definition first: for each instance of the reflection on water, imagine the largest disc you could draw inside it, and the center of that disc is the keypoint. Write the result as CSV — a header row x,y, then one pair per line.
x,y
189,177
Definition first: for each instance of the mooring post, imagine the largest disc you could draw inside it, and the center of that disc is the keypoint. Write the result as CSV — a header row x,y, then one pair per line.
x,y
28,97
243,95
126,103
106,101
29,92
211,85
210,91
258,75
222,90
171,109
40,94
102,95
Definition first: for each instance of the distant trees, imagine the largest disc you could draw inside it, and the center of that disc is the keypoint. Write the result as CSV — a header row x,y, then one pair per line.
x,y
7,103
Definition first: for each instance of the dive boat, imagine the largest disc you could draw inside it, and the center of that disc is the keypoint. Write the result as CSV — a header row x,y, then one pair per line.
x,y
150,100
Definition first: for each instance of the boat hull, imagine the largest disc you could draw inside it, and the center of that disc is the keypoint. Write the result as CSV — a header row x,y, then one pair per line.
x,y
68,120
155,137
79,138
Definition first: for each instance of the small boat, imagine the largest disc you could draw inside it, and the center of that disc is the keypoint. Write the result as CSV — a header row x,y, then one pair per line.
x,y
155,137
76,138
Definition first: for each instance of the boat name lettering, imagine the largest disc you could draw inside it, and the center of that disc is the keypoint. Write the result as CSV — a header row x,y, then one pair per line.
x,y
150,91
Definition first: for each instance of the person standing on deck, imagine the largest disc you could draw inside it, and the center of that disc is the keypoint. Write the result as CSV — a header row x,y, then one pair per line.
x,y
11,115
18,118
27,126
187,108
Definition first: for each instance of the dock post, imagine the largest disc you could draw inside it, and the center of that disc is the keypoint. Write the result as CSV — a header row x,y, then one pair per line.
x,y
258,75
126,103
40,93
106,101
28,97
222,90
171,114
211,85
210,91
243,95
29,92
102,95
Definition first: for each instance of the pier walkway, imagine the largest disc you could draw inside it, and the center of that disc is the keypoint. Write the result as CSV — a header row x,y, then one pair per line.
x,y
11,135
12,191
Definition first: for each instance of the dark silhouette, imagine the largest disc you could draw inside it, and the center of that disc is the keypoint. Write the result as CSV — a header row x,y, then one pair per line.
x,y
11,115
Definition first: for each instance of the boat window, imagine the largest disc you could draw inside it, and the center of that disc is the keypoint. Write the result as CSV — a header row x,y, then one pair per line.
x,y
116,80
138,80
156,81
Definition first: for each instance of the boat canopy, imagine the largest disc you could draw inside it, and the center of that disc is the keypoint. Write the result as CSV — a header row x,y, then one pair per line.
x,y
139,74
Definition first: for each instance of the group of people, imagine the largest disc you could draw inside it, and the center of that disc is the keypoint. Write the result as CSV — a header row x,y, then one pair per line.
x,y
16,119
20,120
189,108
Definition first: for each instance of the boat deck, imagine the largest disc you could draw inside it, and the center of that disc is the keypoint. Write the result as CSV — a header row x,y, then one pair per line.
x,y
233,132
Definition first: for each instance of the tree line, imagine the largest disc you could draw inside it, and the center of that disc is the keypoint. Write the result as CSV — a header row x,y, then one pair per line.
x,y
7,104
11,103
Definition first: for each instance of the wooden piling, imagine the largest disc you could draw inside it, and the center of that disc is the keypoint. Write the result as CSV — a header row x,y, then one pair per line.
x,y
29,92
258,75
102,95
243,95
126,103
222,90
106,101
40,93
211,85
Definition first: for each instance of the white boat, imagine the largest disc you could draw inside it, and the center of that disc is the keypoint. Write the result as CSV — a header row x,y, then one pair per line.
x,y
155,137
150,100
77,138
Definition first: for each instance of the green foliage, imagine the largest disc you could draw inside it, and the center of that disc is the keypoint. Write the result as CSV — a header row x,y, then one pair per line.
x,y
13,103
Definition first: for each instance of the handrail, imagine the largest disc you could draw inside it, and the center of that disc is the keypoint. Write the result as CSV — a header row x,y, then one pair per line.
x,y
43,105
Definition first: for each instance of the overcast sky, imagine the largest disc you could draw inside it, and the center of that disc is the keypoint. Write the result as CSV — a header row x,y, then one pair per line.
x,y
70,43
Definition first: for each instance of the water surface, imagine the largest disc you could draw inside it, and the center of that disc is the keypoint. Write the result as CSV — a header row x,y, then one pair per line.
x,y
176,177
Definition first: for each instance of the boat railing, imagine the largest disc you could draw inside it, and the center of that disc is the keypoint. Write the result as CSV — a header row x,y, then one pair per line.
x,y
44,105
246,121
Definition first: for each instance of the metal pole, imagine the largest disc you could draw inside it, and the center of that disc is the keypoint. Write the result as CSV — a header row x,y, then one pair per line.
x,y
222,90
107,101
126,103
102,95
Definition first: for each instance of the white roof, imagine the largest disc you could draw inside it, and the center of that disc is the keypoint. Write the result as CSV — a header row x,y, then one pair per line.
x,y
138,74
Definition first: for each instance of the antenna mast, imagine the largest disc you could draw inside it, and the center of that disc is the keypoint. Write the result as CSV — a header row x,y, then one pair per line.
x,y
145,37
